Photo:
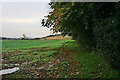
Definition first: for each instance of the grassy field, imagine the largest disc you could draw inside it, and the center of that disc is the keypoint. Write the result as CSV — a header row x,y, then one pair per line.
x,y
53,59
17,44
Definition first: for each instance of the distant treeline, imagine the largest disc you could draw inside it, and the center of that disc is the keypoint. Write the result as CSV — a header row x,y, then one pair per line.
x,y
6,38
21,38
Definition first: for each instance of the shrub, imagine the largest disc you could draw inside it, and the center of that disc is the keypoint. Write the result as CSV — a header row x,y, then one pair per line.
x,y
107,35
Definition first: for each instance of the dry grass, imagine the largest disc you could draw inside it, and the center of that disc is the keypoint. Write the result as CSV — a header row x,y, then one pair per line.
x,y
57,38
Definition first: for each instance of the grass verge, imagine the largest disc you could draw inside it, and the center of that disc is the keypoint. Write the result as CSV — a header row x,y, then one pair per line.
x,y
60,59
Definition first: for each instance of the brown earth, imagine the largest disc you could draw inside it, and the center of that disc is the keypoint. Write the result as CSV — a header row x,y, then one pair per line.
x,y
62,67
57,38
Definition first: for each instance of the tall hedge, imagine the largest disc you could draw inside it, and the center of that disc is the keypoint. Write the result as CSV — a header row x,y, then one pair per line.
x,y
107,32
107,35
94,25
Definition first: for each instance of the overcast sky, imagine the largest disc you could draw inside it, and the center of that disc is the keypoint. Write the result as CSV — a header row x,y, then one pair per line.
x,y
24,18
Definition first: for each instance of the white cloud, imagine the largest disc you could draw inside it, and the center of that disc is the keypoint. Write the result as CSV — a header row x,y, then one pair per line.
x,y
24,18
20,20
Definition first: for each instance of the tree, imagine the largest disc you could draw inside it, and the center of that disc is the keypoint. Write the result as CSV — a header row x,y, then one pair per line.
x,y
94,25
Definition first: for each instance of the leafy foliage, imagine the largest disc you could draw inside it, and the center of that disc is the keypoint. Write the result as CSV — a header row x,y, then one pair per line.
x,y
106,32
93,25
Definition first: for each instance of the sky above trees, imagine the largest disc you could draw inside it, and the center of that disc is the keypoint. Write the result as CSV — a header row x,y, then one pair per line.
x,y
24,18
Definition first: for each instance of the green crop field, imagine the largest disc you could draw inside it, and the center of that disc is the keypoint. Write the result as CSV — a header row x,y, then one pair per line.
x,y
17,44
53,59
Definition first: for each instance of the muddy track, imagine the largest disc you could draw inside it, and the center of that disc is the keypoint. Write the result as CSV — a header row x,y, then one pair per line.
x,y
51,69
